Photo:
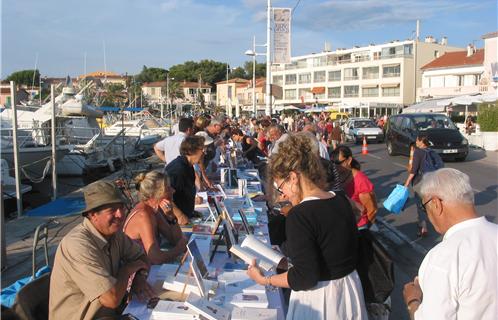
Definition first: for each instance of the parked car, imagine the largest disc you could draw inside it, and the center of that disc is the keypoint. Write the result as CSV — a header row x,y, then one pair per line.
x,y
444,136
357,128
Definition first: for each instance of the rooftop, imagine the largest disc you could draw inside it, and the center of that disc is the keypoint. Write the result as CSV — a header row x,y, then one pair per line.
x,y
456,59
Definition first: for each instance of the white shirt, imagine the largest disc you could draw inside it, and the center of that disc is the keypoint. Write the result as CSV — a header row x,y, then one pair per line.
x,y
324,153
459,276
171,146
274,146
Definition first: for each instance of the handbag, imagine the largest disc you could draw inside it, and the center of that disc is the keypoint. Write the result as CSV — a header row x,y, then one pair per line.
x,y
397,199
375,268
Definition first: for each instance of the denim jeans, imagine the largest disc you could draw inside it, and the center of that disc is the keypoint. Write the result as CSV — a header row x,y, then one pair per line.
x,y
421,215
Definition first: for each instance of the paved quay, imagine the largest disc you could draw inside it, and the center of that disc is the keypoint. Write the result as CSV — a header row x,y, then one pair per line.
x,y
19,233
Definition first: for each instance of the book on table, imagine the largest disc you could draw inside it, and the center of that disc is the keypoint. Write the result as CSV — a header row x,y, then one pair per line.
x,y
173,310
206,308
245,300
237,281
254,313
252,248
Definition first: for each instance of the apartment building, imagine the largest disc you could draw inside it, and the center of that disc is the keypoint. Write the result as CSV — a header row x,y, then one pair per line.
x,y
454,73
227,91
366,81
471,71
155,92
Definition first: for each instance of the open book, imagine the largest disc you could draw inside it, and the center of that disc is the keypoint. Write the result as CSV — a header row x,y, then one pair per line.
x,y
251,248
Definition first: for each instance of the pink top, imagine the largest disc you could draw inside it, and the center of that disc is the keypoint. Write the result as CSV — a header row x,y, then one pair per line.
x,y
360,184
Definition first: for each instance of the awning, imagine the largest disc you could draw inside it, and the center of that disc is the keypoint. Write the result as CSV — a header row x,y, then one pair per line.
x,y
369,85
389,85
318,90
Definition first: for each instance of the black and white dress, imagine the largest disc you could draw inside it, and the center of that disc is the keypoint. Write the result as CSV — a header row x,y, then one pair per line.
x,y
322,243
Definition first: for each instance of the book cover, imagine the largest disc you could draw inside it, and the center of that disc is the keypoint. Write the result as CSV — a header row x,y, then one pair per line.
x,y
173,310
253,313
249,300
205,308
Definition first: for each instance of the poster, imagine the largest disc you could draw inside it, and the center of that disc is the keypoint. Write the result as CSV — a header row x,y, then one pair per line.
x,y
281,35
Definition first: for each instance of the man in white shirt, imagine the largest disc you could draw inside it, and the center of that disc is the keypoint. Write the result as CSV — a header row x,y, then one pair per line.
x,y
168,149
276,134
458,278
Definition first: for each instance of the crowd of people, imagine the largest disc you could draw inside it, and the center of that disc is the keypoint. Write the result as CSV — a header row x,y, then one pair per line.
x,y
326,202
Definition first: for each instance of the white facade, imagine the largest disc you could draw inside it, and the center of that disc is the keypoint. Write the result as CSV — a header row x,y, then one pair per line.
x,y
372,80
490,75
450,82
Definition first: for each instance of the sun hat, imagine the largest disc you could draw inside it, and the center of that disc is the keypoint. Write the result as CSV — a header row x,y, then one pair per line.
x,y
101,193
207,139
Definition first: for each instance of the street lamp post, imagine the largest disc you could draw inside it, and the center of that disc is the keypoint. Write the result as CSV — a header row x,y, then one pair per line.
x,y
253,54
268,60
168,102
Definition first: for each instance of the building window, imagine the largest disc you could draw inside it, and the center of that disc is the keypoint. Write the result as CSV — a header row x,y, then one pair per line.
x,y
290,94
305,78
334,92
390,92
460,81
335,75
351,91
351,74
370,92
290,79
408,49
152,91
371,73
391,71
319,76
278,80
305,93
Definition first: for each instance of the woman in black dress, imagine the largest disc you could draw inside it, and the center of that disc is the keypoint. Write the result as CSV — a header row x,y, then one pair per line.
x,y
321,239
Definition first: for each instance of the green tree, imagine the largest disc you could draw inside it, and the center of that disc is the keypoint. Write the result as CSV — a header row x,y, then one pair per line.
x,y
25,77
115,94
210,71
151,75
260,69
240,73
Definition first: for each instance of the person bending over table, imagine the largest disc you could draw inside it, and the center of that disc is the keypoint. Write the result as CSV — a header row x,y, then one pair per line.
x,y
322,239
182,175
154,217
95,260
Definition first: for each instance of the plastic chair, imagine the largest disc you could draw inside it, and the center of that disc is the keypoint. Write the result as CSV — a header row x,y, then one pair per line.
x,y
32,300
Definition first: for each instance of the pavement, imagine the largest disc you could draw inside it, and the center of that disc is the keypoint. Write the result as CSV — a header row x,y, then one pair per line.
x,y
398,232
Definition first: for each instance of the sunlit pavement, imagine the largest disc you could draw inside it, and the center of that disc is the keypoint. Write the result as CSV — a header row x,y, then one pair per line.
x,y
398,232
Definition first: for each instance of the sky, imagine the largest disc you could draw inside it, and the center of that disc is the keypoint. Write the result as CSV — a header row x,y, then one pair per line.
x,y
56,35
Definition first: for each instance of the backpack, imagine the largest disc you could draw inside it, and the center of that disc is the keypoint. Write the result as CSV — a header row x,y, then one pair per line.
x,y
432,161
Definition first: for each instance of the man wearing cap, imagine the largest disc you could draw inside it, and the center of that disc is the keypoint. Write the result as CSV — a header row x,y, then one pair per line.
x,y
95,260
168,149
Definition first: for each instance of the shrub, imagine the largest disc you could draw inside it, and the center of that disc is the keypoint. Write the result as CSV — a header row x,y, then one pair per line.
x,y
488,117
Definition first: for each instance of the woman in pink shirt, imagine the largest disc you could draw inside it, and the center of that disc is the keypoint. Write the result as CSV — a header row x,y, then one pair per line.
x,y
361,189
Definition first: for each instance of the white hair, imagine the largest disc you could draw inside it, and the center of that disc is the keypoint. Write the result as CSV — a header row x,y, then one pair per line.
x,y
447,184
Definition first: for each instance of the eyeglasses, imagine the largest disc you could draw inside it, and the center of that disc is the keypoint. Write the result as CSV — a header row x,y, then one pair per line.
x,y
424,204
279,187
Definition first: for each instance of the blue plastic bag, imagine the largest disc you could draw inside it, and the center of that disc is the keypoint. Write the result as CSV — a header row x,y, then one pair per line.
x,y
8,294
397,199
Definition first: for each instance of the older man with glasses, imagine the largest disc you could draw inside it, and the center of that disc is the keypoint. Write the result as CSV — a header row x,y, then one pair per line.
x,y
458,277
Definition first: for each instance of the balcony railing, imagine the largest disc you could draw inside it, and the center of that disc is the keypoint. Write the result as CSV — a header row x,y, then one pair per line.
x,y
351,78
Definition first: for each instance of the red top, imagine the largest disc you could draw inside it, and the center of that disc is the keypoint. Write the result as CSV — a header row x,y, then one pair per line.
x,y
329,127
360,184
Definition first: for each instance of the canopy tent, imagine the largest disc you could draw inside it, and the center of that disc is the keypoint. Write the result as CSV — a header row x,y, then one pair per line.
x,y
285,108
315,110
425,106
464,103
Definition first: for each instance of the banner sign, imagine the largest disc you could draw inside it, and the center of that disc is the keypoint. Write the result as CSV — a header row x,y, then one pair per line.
x,y
282,35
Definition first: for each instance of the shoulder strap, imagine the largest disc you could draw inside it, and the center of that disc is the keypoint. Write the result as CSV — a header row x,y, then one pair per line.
x,y
128,219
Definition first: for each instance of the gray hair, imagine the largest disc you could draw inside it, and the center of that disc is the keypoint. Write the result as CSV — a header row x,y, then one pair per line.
x,y
447,184
313,141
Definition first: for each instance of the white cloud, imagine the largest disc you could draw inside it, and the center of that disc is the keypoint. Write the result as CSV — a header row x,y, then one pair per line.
x,y
345,15
169,5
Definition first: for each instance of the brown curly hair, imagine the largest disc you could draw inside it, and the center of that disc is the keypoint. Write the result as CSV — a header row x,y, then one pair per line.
x,y
297,153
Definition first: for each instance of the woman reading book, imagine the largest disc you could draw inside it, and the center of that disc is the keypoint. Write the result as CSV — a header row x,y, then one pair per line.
x,y
153,218
321,239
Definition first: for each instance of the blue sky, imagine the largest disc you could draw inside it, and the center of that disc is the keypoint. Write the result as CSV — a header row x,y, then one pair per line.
x,y
161,33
